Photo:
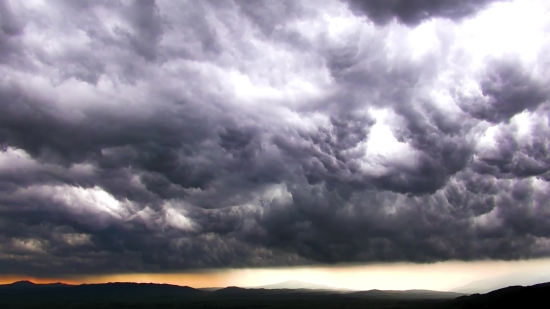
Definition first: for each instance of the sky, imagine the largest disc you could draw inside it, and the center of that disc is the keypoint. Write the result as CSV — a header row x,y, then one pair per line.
x,y
243,142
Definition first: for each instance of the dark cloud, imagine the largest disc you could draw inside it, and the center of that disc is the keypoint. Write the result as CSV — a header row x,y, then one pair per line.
x,y
329,154
445,151
10,30
146,22
159,136
516,158
508,89
413,12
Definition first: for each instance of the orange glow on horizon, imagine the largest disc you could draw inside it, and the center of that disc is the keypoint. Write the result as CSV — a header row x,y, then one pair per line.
x,y
195,280
438,276
12,279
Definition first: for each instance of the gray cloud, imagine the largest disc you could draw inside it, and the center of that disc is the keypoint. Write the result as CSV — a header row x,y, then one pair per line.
x,y
513,158
10,30
508,89
159,136
413,12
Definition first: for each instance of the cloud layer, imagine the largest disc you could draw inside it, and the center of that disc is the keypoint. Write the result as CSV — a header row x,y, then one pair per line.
x,y
413,12
160,136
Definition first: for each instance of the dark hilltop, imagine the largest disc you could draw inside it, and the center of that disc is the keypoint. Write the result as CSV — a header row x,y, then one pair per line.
x,y
25,294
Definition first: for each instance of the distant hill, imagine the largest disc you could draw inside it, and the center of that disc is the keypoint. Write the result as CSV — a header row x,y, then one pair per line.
x,y
295,284
491,284
29,285
26,294
408,294
210,289
24,283
535,296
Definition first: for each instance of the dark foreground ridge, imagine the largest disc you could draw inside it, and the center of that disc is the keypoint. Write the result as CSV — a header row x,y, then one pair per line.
x,y
25,294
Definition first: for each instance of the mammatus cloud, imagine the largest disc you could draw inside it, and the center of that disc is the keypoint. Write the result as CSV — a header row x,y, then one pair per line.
x,y
413,12
159,136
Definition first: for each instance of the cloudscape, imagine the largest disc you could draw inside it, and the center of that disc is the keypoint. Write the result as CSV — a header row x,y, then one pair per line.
x,y
143,137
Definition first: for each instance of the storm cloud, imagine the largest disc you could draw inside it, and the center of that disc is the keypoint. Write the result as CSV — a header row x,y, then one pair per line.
x,y
144,136
413,12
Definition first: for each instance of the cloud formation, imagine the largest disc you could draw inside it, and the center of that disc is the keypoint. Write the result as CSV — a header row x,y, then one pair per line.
x,y
413,12
161,136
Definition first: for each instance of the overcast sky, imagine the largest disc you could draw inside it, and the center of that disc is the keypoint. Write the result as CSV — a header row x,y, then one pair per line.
x,y
172,136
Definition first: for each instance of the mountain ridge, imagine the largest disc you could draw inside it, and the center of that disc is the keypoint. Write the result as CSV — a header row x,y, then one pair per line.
x,y
490,284
149,294
296,284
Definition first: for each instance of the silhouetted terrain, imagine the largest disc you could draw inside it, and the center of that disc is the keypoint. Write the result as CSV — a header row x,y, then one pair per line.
x,y
295,284
491,284
535,296
133,295
21,294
